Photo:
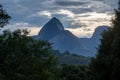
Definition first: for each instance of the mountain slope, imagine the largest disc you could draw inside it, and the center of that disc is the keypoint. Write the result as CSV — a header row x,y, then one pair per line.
x,y
51,29
64,40
93,42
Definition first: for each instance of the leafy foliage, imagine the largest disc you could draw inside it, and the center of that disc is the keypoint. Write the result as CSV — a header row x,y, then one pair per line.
x,y
4,17
22,58
75,72
106,65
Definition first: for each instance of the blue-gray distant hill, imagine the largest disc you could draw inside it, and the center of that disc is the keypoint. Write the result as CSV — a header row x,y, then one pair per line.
x,y
63,40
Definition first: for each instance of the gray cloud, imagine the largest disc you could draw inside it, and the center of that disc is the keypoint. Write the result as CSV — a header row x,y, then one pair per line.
x,y
70,3
72,13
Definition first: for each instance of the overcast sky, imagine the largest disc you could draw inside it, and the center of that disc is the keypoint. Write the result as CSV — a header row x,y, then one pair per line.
x,y
81,17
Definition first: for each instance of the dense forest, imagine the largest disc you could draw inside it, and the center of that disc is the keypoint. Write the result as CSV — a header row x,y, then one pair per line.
x,y
23,58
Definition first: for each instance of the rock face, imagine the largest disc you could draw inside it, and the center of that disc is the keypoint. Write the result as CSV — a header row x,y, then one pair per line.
x,y
93,42
64,40
67,41
51,29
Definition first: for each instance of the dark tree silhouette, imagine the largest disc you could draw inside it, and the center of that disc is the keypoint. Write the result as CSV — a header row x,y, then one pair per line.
x,y
4,17
23,58
106,65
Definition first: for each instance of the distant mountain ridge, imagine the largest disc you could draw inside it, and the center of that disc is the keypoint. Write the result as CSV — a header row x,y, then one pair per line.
x,y
93,42
63,40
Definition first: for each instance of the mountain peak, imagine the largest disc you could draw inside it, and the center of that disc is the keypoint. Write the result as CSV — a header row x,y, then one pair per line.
x,y
99,30
97,35
54,22
52,28
54,18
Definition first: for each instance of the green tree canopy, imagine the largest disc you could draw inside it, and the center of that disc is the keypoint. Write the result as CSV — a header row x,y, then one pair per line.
x,y
23,58
4,17
106,65
75,72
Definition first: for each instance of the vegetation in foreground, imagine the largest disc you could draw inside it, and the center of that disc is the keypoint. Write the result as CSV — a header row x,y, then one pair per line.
x,y
23,58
